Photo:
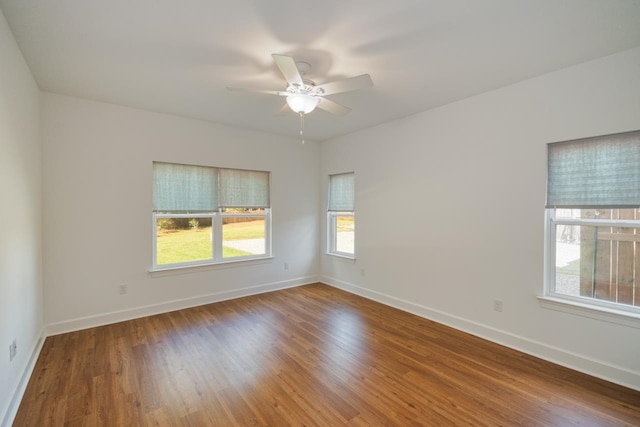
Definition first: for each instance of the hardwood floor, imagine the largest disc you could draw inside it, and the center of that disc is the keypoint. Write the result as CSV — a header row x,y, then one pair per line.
x,y
313,356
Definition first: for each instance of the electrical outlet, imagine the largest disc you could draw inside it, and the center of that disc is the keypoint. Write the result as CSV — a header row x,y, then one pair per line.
x,y
362,272
286,265
13,349
123,288
497,305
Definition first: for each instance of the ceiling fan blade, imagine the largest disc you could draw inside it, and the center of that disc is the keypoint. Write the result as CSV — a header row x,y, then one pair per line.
x,y
284,110
268,92
288,68
346,85
333,107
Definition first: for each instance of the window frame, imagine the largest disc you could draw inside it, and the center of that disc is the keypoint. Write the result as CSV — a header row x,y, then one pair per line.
x,y
267,235
154,224
550,266
332,234
216,241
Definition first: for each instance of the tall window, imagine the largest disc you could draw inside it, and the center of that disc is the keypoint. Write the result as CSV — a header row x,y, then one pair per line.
x,y
593,221
205,215
341,220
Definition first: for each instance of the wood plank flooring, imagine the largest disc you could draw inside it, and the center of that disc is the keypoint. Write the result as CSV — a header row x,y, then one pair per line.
x,y
307,356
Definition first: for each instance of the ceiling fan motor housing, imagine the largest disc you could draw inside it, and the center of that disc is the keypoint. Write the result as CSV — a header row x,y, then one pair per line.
x,y
309,88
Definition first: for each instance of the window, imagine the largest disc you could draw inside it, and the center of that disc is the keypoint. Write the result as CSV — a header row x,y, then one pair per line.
x,y
593,222
341,218
205,215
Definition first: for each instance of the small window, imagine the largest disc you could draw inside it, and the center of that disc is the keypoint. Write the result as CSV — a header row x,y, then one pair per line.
x,y
206,215
341,220
593,221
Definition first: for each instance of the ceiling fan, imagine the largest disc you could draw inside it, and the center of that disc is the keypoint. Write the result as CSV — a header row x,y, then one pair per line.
x,y
302,95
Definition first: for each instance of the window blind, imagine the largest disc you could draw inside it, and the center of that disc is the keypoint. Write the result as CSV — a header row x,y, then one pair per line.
x,y
599,172
341,192
184,188
244,189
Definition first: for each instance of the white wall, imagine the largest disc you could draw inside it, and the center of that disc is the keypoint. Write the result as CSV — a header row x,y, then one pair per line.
x,y
97,170
450,211
467,181
20,216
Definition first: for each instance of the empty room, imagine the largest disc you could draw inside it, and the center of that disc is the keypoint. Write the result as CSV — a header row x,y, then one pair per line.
x,y
296,213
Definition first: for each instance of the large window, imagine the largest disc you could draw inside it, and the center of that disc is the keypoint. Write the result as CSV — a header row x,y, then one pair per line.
x,y
341,220
205,215
593,222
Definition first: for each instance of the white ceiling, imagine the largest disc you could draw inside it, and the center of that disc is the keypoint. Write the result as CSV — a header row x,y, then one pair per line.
x,y
178,57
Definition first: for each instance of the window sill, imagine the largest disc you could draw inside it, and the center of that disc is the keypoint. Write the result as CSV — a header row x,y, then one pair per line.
x,y
342,256
175,269
607,314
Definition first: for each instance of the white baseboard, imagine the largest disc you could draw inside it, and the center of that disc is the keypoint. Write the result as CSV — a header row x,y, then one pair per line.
x,y
14,404
149,310
540,350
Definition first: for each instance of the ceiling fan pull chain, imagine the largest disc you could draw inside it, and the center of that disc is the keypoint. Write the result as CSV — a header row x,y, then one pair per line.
x,y
302,126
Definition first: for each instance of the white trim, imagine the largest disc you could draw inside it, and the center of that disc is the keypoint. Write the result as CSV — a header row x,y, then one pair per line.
x,y
18,393
629,223
268,231
228,263
165,307
606,314
577,362
549,251
340,256
331,233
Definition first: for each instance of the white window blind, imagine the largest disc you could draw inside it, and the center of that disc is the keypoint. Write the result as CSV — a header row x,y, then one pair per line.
x,y
599,172
244,189
184,188
341,192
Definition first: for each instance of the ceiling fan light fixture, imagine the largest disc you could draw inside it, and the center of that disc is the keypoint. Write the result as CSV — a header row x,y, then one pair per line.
x,y
302,103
